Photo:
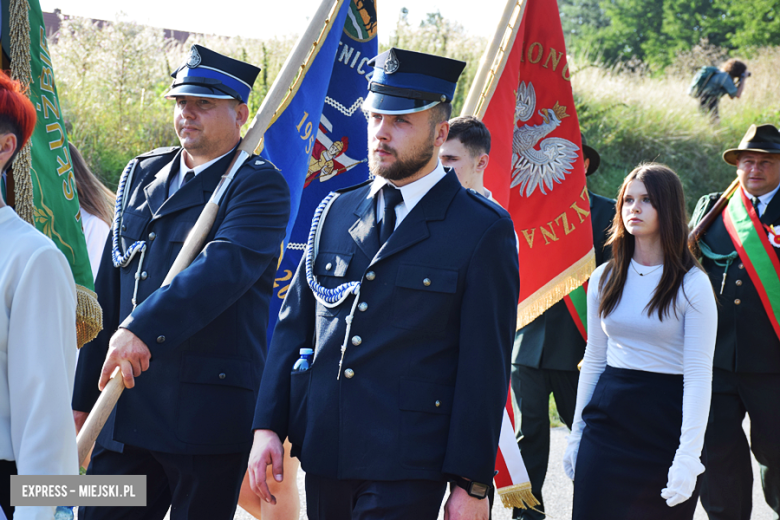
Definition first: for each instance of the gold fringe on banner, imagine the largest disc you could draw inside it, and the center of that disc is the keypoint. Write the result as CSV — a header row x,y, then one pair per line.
x,y
19,30
519,496
554,290
89,316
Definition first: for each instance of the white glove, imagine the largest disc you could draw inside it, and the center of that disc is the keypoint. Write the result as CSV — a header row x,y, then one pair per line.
x,y
570,455
682,479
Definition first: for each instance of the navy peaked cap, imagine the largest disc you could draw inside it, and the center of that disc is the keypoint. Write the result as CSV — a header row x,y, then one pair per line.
x,y
209,74
406,81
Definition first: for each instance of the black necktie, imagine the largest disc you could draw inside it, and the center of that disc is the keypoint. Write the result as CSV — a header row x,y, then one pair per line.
x,y
755,205
187,178
392,197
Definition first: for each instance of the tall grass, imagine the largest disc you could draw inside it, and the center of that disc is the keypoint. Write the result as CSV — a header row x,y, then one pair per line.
x,y
111,81
630,116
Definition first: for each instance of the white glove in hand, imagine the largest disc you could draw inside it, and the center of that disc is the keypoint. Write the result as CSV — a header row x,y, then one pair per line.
x,y
682,479
570,455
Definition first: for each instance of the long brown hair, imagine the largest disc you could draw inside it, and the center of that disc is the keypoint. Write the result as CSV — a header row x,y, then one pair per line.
x,y
93,195
666,195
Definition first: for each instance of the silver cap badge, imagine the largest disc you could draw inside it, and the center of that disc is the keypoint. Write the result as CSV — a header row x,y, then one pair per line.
x,y
391,63
194,59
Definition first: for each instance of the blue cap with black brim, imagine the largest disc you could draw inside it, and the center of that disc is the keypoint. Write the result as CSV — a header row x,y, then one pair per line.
x,y
406,81
212,75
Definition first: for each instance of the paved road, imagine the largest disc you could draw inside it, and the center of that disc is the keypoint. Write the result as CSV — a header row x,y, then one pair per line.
x,y
558,489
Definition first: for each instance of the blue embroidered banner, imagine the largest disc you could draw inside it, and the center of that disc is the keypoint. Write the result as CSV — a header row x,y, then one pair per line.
x,y
333,129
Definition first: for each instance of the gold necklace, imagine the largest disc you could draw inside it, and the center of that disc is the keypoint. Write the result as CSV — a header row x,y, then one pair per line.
x,y
648,272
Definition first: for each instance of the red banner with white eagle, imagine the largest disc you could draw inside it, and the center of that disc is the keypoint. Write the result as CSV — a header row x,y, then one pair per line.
x,y
536,169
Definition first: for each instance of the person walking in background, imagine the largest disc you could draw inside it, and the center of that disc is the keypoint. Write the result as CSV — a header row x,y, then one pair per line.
x,y
644,391
200,341
96,204
740,253
545,358
711,83
37,334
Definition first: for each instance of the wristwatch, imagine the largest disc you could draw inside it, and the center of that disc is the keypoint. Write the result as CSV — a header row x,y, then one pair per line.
x,y
474,489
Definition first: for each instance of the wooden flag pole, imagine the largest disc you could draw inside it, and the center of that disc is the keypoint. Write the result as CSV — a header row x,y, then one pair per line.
x,y
296,64
504,51
705,223
488,57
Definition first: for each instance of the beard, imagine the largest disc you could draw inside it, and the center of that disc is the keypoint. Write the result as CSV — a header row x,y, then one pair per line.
x,y
404,166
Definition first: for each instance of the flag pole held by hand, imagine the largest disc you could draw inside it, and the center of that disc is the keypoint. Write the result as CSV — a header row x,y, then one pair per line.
x,y
293,66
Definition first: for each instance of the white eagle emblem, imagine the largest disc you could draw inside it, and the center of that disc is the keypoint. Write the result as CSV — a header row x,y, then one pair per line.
x,y
555,156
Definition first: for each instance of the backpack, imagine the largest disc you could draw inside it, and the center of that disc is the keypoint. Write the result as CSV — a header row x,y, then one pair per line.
x,y
700,80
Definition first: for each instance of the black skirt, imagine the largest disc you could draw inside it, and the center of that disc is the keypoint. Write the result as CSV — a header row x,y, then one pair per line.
x,y
632,431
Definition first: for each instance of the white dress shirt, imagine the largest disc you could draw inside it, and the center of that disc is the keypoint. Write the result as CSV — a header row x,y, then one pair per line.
x,y
37,356
412,193
183,169
763,200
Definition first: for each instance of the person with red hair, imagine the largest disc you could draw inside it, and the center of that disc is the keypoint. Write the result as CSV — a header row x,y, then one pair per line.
x,y
17,120
37,363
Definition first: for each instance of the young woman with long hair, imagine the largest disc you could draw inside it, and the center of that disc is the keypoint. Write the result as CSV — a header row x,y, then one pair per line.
x,y
644,391
96,203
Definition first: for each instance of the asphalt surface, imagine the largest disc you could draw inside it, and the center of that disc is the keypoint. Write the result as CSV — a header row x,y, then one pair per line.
x,y
558,489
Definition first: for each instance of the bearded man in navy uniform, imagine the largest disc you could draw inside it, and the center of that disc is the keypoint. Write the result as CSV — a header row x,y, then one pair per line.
x,y
200,342
407,295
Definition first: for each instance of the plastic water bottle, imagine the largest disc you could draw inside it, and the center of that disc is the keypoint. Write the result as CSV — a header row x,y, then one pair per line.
x,y
63,513
302,365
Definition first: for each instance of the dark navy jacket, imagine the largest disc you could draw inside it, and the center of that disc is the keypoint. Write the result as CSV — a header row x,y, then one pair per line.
x,y
429,353
552,341
207,330
746,340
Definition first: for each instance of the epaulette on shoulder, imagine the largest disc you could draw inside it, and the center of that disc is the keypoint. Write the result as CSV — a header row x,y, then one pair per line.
x,y
501,212
260,163
165,150
354,187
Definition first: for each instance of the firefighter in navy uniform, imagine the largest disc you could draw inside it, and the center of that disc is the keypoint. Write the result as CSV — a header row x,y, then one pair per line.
x,y
407,295
185,422
545,358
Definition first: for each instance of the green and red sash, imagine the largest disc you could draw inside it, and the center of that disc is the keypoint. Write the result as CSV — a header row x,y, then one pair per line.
x,y
755,252
577,303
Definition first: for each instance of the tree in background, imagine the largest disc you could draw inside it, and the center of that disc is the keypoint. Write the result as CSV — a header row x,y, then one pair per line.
x,y
656,31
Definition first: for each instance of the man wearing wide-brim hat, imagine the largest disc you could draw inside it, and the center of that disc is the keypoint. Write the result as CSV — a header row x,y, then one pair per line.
x,y
407,294
740,254
192,352
546,354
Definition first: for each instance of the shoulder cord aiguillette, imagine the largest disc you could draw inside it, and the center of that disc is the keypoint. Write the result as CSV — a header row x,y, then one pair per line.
x,y
330,298
119,259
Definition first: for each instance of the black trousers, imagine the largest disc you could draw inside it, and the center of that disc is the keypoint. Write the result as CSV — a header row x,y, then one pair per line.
x,y
195,487
531,388
7,468
727,485
333,499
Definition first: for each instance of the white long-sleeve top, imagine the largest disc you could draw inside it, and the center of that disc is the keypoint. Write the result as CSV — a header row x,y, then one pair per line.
x,y
37,356
629,338
96,233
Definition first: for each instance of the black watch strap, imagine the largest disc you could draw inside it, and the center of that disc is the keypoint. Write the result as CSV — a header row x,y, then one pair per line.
x,y
474,489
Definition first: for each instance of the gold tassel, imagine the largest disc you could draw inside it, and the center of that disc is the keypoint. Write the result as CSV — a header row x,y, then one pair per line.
x,y
519,496
554,290
89,316
19,29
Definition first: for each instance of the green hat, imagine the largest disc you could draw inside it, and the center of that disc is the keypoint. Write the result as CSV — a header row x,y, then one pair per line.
x,y
761,138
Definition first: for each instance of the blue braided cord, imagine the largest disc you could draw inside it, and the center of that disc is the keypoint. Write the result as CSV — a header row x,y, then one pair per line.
x,y
329,296
116,256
